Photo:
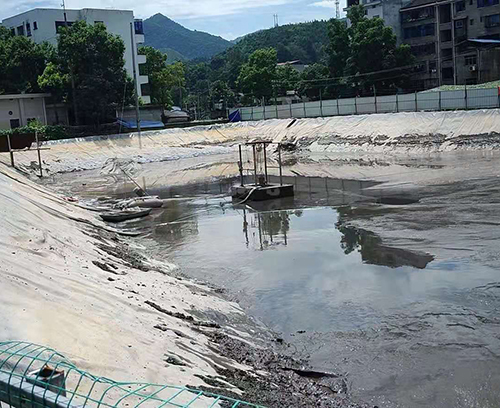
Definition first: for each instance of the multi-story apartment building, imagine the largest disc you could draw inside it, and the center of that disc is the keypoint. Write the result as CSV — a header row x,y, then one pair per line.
x,y
42,25
455,41
388,10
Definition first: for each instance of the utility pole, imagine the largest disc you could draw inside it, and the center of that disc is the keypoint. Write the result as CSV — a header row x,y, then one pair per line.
x,y
71,74
136,85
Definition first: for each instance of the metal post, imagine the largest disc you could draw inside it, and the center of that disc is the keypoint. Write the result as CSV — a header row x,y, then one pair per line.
x,y
71,73
44,107
338,110
466,99
264,107
320,103
252,112
416,102
39,155
279,160
291,114
241,166
276,106
356,104
265,160
478,65
254,164
10,151
136,85
397,101
305,113
375,96
440,104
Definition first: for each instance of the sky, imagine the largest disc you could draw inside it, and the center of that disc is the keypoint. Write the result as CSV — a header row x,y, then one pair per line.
x,y
228,18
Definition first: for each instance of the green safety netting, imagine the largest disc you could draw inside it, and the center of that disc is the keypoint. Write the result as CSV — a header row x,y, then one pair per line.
x,y
34,376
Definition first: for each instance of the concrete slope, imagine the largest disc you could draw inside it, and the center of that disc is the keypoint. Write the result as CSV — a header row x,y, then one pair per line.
x,y
69,284
416,131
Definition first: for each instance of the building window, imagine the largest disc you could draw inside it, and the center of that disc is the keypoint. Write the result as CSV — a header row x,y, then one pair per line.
x,y
486,3
419,14
471,21
445,35
492,21
460,6
142,69
424,49
13,31
28,29
446,53
138,27
432,67
366,12
15,123
459,24
35,25
447,73
419,31
145,90
60,24
471,60
20,30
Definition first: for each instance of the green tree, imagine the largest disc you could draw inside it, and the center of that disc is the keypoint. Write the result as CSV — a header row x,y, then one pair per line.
x,y
94,58
339,47
173,80
367,47
155,60
287,79
166,81
220,93
257,75
21,62
314,78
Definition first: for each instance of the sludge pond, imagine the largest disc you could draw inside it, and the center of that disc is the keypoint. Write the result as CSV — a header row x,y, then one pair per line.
x,y
397,288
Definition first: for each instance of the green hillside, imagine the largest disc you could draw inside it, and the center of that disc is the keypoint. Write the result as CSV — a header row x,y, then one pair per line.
x,y
164,34
303,41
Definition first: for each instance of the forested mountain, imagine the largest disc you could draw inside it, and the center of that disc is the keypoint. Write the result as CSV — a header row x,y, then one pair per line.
x,y
179,42
303,41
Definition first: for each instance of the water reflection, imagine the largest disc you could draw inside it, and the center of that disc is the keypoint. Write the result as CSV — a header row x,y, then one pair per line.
x,y
369,245
271,228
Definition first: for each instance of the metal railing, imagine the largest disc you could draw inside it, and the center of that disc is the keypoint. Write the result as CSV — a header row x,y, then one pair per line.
x,y
34,376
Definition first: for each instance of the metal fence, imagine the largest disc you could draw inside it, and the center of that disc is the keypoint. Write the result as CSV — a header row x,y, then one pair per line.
x,y
410,102
34,376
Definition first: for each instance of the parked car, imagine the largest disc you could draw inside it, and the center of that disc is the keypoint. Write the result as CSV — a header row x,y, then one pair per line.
x,y
175,115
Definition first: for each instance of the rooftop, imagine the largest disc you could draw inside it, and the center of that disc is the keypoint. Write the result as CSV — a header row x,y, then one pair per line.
x,y
24,96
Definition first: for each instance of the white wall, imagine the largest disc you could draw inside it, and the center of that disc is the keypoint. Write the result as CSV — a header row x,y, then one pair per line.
x,y
22,109
423,101
116,21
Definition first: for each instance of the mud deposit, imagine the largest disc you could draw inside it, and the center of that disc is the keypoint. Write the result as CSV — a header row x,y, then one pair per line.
x,y
383,272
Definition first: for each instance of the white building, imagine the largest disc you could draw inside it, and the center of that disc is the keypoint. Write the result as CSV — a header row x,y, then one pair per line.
x,y
18,110
41,24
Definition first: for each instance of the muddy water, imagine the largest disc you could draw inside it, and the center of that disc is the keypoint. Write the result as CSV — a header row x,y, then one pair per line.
x,y
397,287
410,330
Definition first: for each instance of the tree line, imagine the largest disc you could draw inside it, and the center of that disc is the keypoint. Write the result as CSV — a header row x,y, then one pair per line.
x,y
86,69
358,59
